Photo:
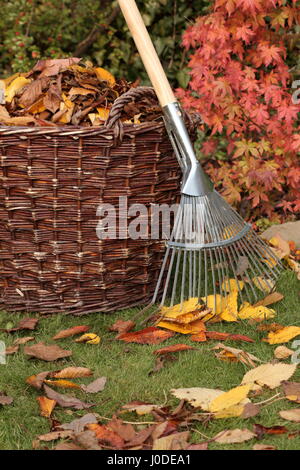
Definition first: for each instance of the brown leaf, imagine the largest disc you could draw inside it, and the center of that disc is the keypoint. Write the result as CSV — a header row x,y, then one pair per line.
x,y
5,400
11,350
291,390
78,425
261,430
53,436
270,299
19,341
62,383
106,436
122,326
33,91
75,330
71,373
282,352
140,437
172,349
200,337
46,406
291,415
176,441
88,440
25,324
46,352
228,336
233,436
52,67
95,386
66,401
37,380
233,354
263,447
242,265
124,430
67,446
150,335
250,410
203,446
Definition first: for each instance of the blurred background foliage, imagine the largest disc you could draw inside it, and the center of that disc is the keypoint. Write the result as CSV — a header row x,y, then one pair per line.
x,y
94,30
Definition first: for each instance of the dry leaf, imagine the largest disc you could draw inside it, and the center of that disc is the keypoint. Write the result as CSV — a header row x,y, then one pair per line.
x,y
140,407
176,441
291,391
66,401
122,326
150,335
193,328
75,330
106,436
269,299
280,246
62,383
37,380
19,341
229,353
78,425
233,397
260,430
263,447
263,284
95,386
46,352
15,87
269,374
227,336
53,436
5,400
88,338
11,350
249,311
199,337
197,397
291,415
124,430
46,406
88,440
284,335
172,349
282,352
71,373
25,324
250,410
67,446
233,436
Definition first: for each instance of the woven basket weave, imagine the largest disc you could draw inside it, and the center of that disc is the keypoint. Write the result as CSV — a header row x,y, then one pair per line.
x,y
52,182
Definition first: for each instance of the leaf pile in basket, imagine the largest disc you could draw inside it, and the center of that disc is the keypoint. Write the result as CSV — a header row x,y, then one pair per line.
x,y
58,92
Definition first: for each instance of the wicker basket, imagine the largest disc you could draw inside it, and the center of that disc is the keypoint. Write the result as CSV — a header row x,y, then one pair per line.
x,y
52,182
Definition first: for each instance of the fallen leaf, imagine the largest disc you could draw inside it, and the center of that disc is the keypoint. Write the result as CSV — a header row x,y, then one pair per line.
x,y
25,324
260,430
19,341
291,415
71,373
106,436
139,407
11,350
67,446
46,352
249,311
230,398
229,353
15,87
241,265
124,430
269,374
269,299
53,436
233,436
202,446
78,425
199,337
282,352
172,349
51,67
37,380
88,440
250,410
75,330
228,336
62,383
66,401
197,397
230,312
95,386
88,338
193,328
280,246
150,335
5,400
291,391
263,447
122,326
284,335
263,284
46,406
103,74
176,441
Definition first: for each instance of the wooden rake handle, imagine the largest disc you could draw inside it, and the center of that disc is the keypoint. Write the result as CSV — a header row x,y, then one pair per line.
x,y
147,52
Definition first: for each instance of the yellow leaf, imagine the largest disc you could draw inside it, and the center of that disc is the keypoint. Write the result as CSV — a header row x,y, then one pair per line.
x,y
62,383
230,312
103,74
269,374
265,285
188,306
190,328
197,396
215,303
230,412
89,338
282,352
67,106
46,406
295,266
231,285
37,107
230,398
249,311
15,86
284,335
282,247
103,114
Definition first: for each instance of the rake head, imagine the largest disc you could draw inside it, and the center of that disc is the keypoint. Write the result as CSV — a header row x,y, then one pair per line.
x,y
209,245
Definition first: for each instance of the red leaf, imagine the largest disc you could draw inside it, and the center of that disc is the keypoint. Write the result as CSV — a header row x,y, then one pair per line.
x,y
150,335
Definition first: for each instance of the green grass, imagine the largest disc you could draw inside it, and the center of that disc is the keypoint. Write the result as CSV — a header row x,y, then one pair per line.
x,y
127,368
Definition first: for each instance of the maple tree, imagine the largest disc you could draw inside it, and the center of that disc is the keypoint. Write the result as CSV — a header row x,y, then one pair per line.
x,y
243,88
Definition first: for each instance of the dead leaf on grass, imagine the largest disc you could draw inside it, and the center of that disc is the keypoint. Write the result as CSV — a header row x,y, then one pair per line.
x,y
269,299
261,430
269,374
37,380
66,401
5,400
46,406
75,330
150,335
78,425
291,415
175,441
172,349
25,324
88,338
19,341
233,436
122,326
263,447
282,352
291,391
46,352
233,354
283,335
95,386
71,373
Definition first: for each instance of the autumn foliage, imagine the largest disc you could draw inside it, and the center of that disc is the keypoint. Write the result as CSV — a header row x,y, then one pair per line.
x,y
242,86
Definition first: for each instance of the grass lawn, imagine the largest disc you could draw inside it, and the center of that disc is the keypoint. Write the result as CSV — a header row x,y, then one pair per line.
x,y
127,368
